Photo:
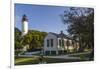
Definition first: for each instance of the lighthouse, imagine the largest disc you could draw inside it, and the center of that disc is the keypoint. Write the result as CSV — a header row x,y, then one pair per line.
x,y
24,25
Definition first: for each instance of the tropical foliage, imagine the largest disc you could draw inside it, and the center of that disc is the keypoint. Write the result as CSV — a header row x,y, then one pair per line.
x,y
80,25
34,39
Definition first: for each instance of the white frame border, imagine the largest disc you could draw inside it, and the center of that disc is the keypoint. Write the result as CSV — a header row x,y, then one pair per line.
x,y
39,2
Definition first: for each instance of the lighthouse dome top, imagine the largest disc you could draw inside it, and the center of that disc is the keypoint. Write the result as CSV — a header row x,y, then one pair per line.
x,y
24,18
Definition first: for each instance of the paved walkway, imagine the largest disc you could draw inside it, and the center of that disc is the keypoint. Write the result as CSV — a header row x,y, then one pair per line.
x,y
62,57
58,56
68,56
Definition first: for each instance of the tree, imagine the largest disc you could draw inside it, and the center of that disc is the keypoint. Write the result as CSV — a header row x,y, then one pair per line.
x,y
80,25
35,42
17,38
34,38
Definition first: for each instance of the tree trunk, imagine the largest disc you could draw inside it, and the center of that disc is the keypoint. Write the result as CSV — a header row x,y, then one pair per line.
x,y
80,44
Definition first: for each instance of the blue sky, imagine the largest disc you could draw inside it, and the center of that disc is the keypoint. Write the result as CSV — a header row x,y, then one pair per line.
x,y
42,18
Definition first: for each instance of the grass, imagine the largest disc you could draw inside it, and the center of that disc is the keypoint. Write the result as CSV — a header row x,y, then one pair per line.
x,y
26,60
83,56
35,60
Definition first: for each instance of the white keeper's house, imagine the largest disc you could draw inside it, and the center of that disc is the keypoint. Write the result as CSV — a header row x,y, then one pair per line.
x,y
59,44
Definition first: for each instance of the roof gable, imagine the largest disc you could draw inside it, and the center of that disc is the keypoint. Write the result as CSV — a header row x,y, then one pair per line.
x,y
60,35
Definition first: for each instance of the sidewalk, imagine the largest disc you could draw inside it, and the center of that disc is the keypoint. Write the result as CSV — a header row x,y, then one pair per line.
x,y
62,57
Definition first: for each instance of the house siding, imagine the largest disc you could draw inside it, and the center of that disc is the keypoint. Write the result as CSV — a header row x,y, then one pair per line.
x,y
50,48
57,46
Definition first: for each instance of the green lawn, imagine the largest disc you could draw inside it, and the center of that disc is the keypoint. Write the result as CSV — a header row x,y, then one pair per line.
x,y
26,60
35,60
83,56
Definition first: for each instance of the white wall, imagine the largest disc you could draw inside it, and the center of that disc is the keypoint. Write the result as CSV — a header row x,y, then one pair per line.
x,y
71,48
59,47
24,28
50,36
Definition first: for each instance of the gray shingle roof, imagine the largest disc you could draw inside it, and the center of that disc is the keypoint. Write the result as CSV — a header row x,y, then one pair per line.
x,y
61,35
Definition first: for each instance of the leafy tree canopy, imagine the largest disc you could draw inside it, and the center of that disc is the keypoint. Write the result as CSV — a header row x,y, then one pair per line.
x,y
34,39
80,24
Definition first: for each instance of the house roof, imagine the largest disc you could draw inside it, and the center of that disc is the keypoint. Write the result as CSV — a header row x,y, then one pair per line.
x,y
61,35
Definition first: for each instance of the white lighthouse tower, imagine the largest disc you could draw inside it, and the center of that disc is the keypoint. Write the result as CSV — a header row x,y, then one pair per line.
x,y
24,25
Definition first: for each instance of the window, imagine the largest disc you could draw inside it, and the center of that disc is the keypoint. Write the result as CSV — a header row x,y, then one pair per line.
x,y
67,43
73,43
47,52
51,42
47,43
59,42
62,42
53,52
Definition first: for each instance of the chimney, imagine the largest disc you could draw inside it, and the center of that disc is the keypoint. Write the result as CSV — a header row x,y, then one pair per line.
x,y
61,32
